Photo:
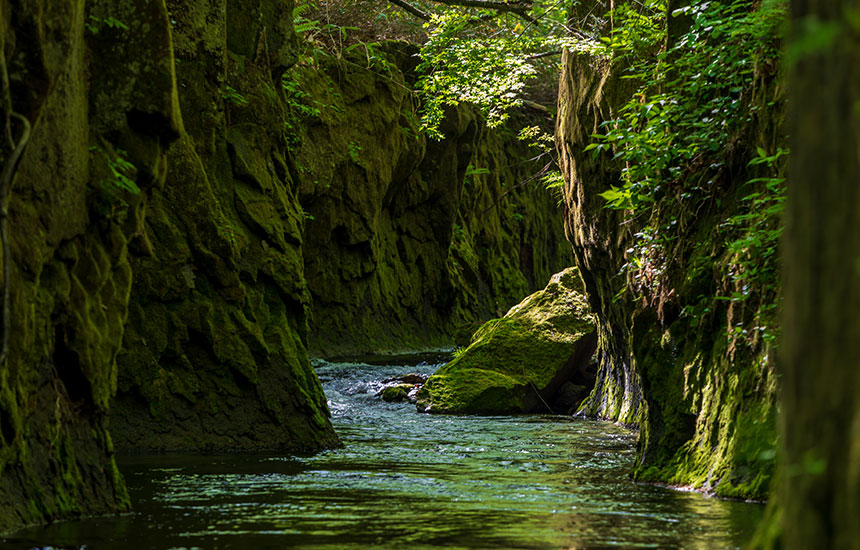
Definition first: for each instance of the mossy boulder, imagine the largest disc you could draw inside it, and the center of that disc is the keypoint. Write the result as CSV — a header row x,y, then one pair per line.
x,y
518,363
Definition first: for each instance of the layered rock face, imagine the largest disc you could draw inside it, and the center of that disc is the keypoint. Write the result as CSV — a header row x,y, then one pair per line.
x,y
408,238
208,345
523,362
683,362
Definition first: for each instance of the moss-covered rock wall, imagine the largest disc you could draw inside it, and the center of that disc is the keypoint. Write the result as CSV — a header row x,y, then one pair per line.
x,y
678,356
72,226
174,274
215,355
408,238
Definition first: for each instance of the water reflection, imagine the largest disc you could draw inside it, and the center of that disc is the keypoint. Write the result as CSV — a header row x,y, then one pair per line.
x,y
411,480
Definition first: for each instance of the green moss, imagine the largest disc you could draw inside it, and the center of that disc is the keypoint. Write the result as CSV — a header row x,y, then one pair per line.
x,y
216,350
70,272
513,359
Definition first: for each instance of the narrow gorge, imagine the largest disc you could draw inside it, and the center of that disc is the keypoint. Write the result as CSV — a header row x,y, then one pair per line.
x,y
278,204
228,227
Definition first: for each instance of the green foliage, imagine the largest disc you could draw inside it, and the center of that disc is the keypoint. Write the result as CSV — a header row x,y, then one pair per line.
x,y
368,21
461,65
94,24
553,181
115,177
484,57
300,105
298,100
550,177
121,171
232,96
488,59
758,231
314,31
537,137
301,24
677,139
376,60
473,171
693,100
353,149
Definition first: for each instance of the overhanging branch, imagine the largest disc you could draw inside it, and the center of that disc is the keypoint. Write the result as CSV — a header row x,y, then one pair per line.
x,y
543,54
521,9
512,7
406,6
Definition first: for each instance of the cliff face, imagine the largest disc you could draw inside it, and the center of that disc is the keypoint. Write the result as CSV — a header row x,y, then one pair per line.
x,y
680,355
215,354
408,238
72,224
589,94
212,333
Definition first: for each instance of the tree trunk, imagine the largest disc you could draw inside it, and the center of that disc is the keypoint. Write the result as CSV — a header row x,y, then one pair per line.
x,y
820,351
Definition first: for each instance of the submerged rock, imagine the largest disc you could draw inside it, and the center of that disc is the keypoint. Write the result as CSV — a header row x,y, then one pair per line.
x,y
520,362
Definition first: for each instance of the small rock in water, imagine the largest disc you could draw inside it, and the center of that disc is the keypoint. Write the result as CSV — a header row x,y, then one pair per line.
x,y
413,393
411,378
396,393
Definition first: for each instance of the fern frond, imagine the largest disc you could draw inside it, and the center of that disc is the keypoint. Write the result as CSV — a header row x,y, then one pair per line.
x,y
305,25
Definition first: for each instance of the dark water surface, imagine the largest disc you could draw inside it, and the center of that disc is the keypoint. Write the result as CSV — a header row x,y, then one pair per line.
x,y
409,480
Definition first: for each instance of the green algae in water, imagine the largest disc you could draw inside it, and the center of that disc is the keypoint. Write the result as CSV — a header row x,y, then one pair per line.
x,y
409,480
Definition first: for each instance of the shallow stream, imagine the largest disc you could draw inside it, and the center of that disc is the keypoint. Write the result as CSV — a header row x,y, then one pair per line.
x,y
411,481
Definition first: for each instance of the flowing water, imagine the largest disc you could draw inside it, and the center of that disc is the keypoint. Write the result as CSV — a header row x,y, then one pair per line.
x,y
411,481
